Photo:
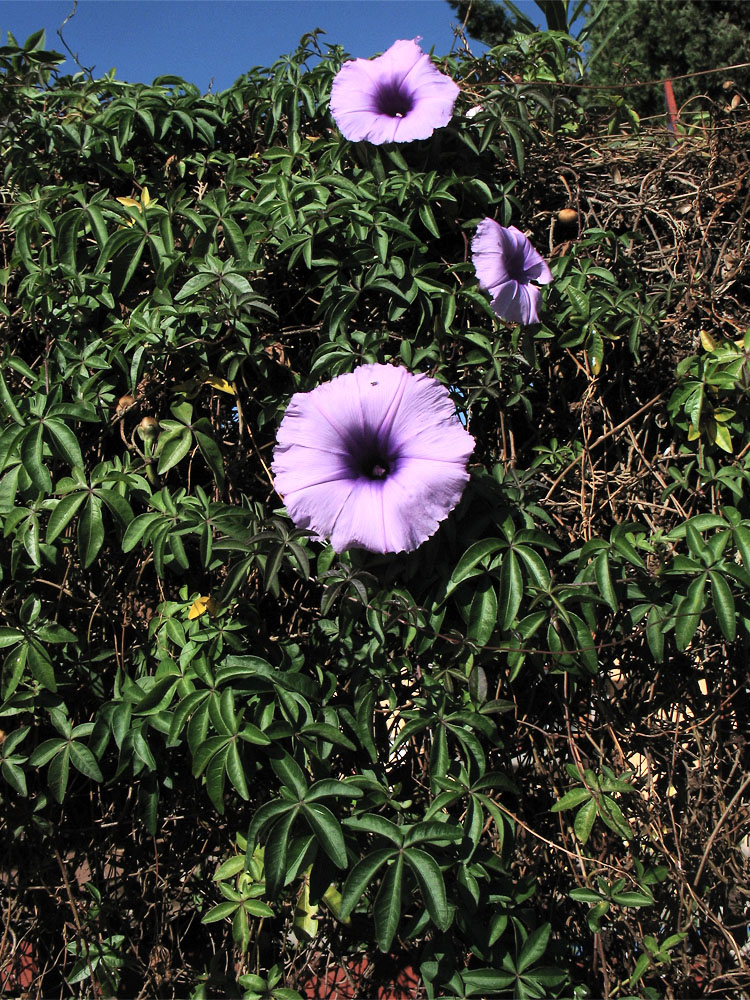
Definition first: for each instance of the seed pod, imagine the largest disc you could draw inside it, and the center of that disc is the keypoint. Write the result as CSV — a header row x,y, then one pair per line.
x,y
124,403
148,428
567,216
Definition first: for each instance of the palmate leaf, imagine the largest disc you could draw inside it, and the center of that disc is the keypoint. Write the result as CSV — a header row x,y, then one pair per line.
x,y
427,873
360,877
327,831
533,948
173,447
723,602
585,820
387,907
90,531
275,857
687,612
64,511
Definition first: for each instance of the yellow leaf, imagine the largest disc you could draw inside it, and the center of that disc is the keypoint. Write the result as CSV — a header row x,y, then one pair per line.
x,y
202,604
145,197
707,341
220,383
332,899
305,913
129,203
723,438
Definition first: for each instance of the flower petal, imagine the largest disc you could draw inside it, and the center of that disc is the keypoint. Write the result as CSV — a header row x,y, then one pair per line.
x,y
517,303
488,256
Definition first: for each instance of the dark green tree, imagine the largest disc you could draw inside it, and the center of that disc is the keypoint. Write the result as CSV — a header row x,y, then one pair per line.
x,y
635,41
485,20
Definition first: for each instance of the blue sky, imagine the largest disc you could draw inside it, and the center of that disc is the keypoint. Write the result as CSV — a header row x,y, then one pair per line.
x,y
218,40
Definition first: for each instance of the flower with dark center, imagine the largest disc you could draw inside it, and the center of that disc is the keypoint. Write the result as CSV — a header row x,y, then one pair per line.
x,y
397,97
374,459
506,265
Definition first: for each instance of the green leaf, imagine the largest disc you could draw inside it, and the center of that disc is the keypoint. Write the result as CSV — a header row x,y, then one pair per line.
x,y
535,565
275,855
571,799
32,456
633,898
595,916
604,580
533,948
13,667
387,908
265,815
379,825
220,912
360,877
291,774
84,761
470,561
486,981
483,613
8,405
196,284
585,896
125,262
723,602
40,665
211,452
236,771
585,820
63,513
46,751
687,612
172,448
612,815
655,633
90,531
640,967
230,868
430,880
65,442
10,636
15,776
57,774
511,588
327,831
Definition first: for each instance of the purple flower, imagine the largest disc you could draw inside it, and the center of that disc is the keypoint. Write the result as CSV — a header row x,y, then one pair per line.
x,y
375,459
506,264
398,97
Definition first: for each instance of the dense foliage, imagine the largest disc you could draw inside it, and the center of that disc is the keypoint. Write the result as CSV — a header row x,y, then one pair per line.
x,y
635,44
232,760
639,42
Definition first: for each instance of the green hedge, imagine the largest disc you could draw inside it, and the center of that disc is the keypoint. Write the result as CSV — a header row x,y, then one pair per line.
x,y
231,755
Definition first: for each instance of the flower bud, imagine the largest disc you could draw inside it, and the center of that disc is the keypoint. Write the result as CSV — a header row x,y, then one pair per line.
x,y
124,403
148,428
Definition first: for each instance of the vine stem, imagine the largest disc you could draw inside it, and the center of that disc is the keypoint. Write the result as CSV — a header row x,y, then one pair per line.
x,y
716,829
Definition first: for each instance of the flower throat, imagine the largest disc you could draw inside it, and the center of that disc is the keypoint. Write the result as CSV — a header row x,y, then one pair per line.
x,y
394,101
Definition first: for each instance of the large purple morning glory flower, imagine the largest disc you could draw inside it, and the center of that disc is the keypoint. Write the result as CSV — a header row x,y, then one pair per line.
x,y
506,264
397,97
374,459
